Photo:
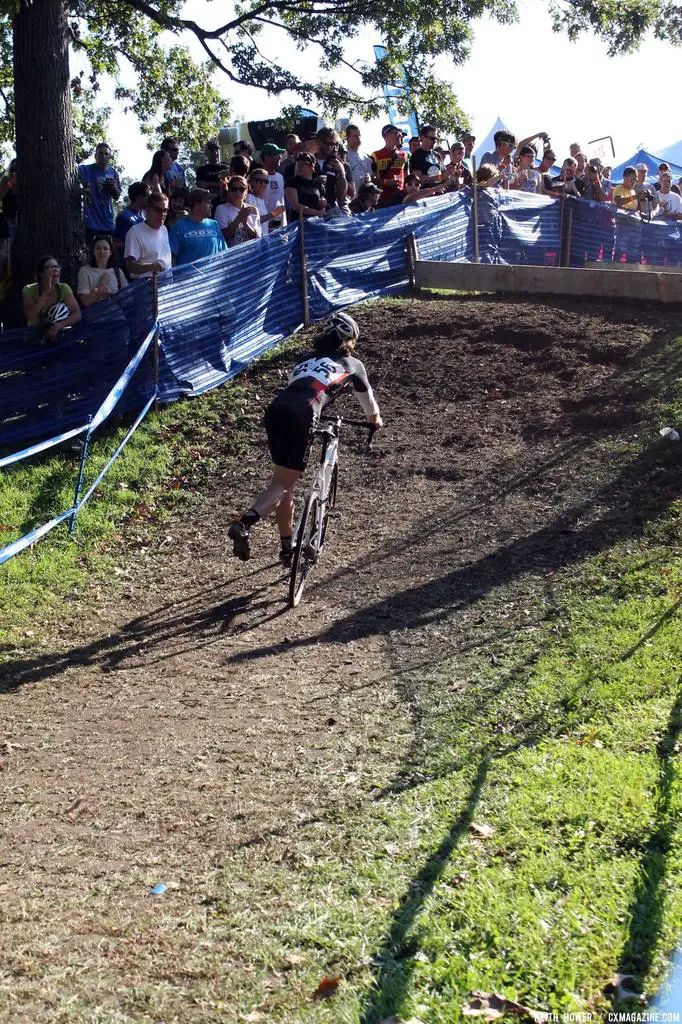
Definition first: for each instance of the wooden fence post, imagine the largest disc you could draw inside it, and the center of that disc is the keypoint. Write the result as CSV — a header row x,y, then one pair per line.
x,y
562,204
411,258
569,236
474,189
304,270
155,344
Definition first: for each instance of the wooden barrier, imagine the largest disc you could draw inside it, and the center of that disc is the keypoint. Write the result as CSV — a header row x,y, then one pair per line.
x,y
483,277
641,268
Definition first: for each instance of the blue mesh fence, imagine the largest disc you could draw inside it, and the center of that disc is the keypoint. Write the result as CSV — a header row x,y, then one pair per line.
x,y
218,314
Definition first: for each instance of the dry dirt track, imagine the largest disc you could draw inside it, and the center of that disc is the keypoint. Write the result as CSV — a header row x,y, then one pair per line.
x,y
190,713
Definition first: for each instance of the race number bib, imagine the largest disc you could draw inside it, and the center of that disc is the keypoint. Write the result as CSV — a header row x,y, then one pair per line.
x,y
326,371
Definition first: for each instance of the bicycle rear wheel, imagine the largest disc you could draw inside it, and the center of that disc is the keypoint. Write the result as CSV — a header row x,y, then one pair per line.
x,y
305,549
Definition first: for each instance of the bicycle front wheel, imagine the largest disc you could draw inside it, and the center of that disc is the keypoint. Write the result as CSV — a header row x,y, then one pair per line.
x,y
330,504
305,549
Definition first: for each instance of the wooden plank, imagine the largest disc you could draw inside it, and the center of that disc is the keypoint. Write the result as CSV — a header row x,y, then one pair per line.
x,y
632,268
548,281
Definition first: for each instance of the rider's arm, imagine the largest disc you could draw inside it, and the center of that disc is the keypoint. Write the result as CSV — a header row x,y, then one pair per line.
x,y
364,392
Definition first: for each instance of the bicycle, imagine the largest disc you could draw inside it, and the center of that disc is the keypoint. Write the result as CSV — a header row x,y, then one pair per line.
x,y
319,501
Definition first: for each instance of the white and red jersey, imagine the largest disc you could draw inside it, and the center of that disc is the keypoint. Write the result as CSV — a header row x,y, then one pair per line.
x,y
318,379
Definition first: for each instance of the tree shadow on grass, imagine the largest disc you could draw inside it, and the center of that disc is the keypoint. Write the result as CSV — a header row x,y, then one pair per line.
x,y
647,908
393,958
648,903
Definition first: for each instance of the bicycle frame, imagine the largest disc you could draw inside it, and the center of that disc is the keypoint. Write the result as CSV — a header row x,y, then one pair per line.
x,y
321,483
311,525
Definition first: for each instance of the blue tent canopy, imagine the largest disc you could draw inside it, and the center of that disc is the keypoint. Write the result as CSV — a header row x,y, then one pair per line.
x,y
652,162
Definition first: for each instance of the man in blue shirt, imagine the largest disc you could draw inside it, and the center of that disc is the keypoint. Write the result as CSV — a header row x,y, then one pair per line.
x,y
101,187
133,214
197,235
175,175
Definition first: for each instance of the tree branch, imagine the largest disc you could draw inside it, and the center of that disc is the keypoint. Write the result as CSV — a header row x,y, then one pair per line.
x,y
189,25
303,35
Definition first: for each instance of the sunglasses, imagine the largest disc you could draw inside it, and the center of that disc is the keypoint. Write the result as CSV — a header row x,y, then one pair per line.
x,y
236,188
259,181
432,137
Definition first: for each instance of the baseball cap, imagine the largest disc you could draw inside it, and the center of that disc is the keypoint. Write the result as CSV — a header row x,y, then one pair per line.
x,y
212,144
305,158
270,148
641,167
391,128
368,188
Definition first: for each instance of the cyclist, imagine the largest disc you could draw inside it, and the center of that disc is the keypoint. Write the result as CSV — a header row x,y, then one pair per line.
x,y
289,419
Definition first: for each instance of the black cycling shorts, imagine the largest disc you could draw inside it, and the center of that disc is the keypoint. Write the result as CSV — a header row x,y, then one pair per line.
x,y
288,431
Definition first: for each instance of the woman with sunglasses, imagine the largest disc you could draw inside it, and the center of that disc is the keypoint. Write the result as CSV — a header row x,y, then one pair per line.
x,y
238,221
49,303
100,278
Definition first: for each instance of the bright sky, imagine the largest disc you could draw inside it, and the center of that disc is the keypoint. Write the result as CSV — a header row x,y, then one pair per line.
x,y
532,78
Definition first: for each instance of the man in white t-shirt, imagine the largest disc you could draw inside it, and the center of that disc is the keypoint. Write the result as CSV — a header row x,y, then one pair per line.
x,y
147,248
669,201
360,163
270,156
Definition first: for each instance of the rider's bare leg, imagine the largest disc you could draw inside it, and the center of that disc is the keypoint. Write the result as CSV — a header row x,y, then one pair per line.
x,y
280,489
284,513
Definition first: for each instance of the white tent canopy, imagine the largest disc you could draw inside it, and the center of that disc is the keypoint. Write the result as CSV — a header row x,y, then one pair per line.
x,y
672,154
488,144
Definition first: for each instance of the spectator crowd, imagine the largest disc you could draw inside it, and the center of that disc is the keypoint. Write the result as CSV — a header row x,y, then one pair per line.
x,y
165,223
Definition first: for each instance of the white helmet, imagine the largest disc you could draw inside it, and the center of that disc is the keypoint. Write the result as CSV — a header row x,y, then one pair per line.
x,y
59,311
342,325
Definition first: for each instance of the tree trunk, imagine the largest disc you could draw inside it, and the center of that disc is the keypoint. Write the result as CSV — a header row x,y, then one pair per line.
x,y
49,212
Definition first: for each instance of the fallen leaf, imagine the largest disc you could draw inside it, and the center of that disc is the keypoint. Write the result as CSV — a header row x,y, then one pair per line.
x,y
327,987
481,831
293,959
490,1006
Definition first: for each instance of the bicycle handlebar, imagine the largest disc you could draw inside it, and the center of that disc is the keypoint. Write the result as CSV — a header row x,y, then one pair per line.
x,y
371,428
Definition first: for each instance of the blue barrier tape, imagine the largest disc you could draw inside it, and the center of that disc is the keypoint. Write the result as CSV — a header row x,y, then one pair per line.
x,y
42,446
109,403
121,384
30,538
116,454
